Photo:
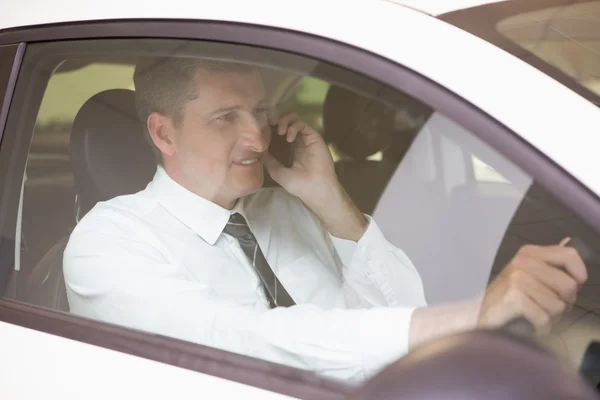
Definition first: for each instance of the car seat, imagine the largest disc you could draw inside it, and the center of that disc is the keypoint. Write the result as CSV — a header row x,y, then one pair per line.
x,y
110,157
358,127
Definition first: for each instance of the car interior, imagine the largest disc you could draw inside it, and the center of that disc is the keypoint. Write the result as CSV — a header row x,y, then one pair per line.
x,y
106,132
429,184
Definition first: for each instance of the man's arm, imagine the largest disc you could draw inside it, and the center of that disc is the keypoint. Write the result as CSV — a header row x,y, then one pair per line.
x,y
376,272
114,273
338,213
540,283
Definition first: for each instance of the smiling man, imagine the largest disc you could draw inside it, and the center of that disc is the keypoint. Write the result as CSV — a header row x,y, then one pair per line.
x,y
295,275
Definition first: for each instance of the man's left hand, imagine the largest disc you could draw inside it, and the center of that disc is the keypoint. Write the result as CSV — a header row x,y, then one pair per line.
x,y
540,283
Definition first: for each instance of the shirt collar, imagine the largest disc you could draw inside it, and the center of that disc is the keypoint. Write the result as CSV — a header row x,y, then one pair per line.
x,y
202,216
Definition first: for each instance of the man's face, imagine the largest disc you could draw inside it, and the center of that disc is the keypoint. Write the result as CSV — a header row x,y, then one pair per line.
x,y
218,145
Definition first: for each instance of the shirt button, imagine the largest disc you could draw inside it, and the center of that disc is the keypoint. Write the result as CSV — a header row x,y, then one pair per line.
x,y
248,236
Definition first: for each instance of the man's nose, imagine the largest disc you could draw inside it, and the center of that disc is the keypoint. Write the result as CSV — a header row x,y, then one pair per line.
x,y
256,135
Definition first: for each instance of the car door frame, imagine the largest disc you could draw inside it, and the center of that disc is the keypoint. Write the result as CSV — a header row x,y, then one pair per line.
x,y
11,56
259,373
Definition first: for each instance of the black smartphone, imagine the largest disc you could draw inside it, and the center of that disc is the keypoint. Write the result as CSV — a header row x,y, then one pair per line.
x,y
281,149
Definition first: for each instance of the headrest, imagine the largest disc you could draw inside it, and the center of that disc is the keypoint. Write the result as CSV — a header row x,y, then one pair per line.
x,y
360,126
357,125
109,154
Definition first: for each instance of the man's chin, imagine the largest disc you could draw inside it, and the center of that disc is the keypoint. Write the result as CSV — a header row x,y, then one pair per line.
x,y
249,189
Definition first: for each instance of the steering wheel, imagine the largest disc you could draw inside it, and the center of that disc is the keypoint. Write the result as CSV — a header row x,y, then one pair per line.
x,y
520,327
590,362
476,365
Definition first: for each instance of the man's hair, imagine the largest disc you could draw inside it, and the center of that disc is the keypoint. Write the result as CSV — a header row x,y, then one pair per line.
x,y
165,84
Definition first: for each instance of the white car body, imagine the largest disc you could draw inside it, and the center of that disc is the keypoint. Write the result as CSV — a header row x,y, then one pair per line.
x,y
35,364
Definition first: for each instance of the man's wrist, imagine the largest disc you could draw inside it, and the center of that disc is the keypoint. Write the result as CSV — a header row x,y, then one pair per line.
x,y
428,323
337,212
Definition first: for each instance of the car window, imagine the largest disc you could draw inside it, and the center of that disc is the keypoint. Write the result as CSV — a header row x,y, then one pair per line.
x,y
49,176
561,38
567,37
113,233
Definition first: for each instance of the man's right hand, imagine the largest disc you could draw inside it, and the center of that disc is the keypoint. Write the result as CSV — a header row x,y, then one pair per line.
x,y
540,284
312,178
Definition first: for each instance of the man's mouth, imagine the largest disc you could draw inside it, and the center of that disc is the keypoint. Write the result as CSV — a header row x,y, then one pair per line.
x,y
249,161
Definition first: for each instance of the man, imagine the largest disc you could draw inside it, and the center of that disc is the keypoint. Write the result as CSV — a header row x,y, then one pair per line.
x,y
296,275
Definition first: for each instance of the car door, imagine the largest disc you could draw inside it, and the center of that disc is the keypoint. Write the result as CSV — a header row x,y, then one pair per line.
x,y
437,156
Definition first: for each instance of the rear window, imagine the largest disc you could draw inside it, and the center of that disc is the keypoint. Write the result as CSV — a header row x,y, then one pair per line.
x,y
561,38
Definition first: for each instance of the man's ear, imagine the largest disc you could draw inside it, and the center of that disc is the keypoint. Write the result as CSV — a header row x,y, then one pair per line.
x,y
162,132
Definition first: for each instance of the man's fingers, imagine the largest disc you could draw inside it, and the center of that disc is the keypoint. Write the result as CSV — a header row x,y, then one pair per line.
x,y
559,256
564,242
554,278
529,309
285,121
293,130
540,284
543,296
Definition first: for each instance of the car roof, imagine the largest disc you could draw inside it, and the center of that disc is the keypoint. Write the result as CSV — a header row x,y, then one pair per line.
x,y
19,13
438,7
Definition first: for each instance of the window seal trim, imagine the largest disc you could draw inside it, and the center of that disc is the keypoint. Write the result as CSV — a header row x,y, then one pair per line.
x,y
557,181
10,87
6,101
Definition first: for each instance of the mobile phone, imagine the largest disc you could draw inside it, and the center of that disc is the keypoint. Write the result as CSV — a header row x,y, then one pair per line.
x,y
281,149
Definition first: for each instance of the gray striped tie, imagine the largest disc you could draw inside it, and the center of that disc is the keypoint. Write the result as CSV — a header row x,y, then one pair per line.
x,y
274,290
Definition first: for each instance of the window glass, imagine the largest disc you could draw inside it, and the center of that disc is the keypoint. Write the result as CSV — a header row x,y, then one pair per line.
x,y
390,206
485,173
567,37
560,38
49,176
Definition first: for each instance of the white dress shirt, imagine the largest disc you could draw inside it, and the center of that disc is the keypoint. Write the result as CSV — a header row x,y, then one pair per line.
x,y
158,261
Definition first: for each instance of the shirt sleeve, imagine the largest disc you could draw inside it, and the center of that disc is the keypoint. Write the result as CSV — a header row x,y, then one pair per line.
x,y
379,272
114,274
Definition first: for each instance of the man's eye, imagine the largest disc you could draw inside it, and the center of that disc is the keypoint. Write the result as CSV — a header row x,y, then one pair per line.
x,y
260,111
229,117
